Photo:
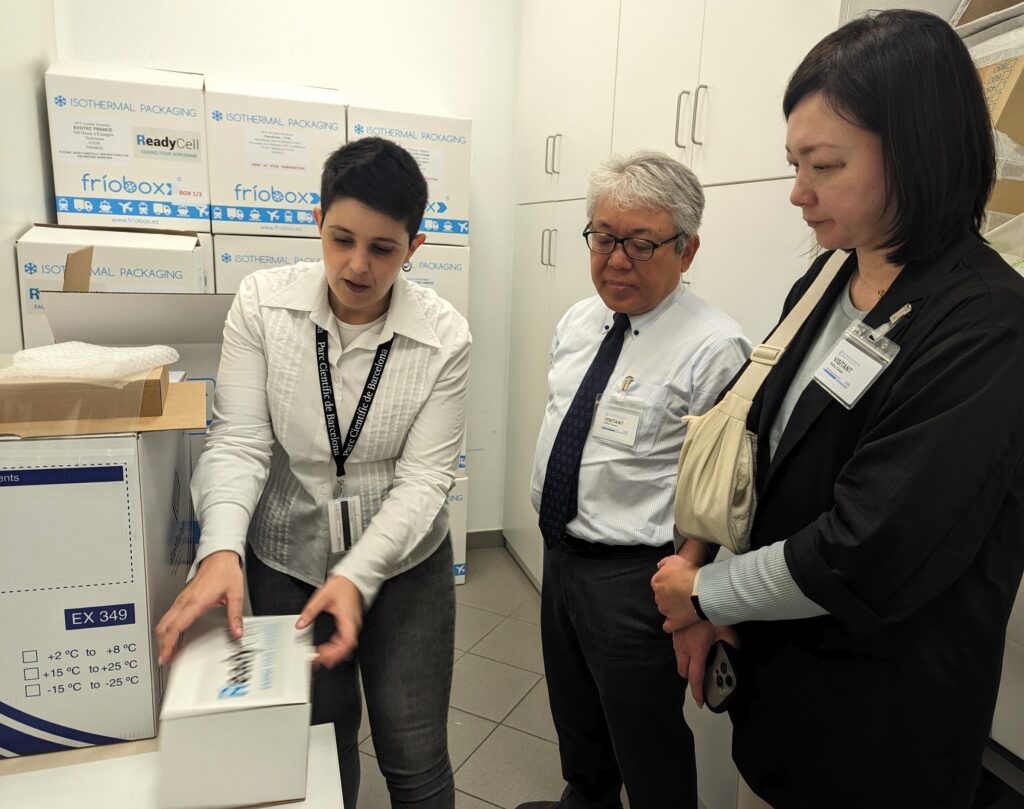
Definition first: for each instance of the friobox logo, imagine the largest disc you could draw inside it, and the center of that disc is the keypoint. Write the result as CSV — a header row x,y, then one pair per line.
x,y
226,258
217,115
116,185
256,193
359,129
239,673
60,101
30,268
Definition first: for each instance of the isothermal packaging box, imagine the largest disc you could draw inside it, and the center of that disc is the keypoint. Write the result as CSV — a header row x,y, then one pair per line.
x,y
268,144
237,256
96,540
123,261
458,513
128,146
445,270
441,147
234,729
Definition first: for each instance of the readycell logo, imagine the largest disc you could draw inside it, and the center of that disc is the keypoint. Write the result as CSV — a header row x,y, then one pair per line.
x,y
171,144
121,184
258,193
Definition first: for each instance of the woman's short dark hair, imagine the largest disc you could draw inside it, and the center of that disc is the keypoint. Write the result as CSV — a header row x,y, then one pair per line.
x,y
908,78
381,175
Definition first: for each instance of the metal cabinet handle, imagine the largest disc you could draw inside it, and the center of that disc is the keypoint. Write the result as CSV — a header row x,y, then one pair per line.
x,y
543,234
556,141
553,247
693,121
547,153
679,112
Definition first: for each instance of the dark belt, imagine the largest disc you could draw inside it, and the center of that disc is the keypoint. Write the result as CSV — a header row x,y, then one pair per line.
x,y
584,547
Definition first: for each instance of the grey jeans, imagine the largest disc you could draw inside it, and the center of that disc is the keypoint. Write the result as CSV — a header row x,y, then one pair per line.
x,y
406,648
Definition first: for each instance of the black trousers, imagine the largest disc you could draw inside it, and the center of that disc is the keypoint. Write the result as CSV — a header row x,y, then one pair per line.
x,y
616,697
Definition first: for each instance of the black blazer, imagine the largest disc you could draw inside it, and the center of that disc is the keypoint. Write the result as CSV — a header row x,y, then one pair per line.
x,y
905,520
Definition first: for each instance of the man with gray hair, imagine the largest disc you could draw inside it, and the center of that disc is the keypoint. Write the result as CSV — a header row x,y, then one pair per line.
x,y
626,365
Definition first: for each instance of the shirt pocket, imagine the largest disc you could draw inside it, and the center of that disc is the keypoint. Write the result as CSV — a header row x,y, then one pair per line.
x,y
651,402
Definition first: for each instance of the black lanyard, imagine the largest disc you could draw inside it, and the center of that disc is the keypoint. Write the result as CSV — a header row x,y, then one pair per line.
x,y
340,452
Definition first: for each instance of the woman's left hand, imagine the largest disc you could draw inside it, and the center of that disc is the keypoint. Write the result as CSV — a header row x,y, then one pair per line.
x,y
342,599
673,585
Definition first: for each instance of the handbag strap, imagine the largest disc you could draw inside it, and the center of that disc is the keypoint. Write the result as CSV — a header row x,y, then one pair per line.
x,y
765,356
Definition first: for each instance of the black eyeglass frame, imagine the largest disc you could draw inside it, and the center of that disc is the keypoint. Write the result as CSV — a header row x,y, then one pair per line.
x,y
616,241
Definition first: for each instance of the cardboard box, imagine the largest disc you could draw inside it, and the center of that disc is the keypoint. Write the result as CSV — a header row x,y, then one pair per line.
x,y
458,511
1004,96
446,271
268,144
237,256
970,11
123,261
1007,197
128,146
96,543
441,147
234,728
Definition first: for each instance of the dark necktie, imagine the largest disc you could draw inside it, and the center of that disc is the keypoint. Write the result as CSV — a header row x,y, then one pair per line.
x,y
558,501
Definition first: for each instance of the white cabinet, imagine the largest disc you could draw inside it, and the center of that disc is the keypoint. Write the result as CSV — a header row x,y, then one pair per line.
x,y
753,246
566,78
551,271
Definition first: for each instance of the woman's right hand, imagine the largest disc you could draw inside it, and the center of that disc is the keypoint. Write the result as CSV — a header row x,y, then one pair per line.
x,y
218,582
692,646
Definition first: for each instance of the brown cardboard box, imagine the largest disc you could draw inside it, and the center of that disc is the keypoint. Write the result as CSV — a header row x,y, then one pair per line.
x,y
973,10
1007,197
1004,95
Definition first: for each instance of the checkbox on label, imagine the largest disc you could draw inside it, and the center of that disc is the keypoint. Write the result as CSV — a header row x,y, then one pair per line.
x,y
30,656
32,691
32,674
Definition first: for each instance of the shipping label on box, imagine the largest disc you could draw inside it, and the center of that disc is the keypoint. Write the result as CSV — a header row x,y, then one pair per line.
x,y
95,546
441,147
1004,95
128,146
237,256
445,270
268,144
122,262
458,512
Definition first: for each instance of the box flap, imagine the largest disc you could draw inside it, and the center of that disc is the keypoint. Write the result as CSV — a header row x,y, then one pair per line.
x,y
143,239
237,86
214,673
125,74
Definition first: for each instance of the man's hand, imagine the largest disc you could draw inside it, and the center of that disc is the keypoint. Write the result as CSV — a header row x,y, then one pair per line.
x,y
673,585
692,646
218,582
340,597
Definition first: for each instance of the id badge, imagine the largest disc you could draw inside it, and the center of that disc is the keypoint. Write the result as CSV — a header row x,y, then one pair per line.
x,y
854,363
616,422
345,519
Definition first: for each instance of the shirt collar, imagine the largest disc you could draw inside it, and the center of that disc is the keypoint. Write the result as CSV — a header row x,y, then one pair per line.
x,y
308,293
638,323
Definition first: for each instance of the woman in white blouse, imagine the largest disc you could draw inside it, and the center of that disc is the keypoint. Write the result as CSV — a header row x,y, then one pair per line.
x,y
338,421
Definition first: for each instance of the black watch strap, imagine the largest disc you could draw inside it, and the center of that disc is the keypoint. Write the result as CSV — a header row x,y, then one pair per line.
x,y
695,600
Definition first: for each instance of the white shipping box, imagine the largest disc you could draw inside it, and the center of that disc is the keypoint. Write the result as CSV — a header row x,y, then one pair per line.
x,y
123,261
128,146
268,144
458,513
237,256
441,147
445,270
95,538
234,729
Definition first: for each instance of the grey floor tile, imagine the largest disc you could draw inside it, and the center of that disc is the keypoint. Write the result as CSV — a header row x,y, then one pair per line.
x,y
465,734
496,584
514,642
373,790
487,688
529,610
471,624
533,714
512,767
464,801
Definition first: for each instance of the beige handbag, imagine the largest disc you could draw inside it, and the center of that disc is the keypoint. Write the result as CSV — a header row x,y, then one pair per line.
x,y
715,492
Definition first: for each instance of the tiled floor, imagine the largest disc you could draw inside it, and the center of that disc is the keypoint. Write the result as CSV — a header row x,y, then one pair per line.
x,y
500,736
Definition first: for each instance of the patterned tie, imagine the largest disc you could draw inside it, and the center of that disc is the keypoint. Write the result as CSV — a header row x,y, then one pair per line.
x,y
558,501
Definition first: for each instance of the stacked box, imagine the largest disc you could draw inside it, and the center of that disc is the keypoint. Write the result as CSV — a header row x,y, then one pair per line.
x,y
237,256
445,270
128,147
458,514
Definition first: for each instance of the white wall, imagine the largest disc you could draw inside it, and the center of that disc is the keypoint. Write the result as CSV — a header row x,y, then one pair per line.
x,y
448,57
27,46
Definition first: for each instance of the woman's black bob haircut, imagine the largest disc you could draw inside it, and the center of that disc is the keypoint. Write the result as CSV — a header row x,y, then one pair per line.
x,y
381,175
906,77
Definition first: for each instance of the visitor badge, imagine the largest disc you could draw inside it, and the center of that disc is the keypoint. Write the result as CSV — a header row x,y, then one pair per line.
x,y
855,362
616,422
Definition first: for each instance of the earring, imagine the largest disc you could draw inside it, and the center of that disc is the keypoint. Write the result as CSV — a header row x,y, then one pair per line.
x,y
407,266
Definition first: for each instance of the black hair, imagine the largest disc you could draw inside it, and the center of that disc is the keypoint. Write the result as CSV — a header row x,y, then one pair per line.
x,y
381,175
908,78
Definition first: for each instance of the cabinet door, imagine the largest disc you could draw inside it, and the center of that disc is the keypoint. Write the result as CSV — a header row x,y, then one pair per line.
x,y
748,53
529,346
570,280
753,246
659,62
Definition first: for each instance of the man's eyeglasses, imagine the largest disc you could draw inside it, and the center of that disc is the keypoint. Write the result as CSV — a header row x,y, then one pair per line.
x,y
636,249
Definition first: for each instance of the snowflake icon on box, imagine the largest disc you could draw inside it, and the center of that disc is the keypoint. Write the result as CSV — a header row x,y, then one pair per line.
x,y
226,258
359,129
30,268
60,101
217,115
